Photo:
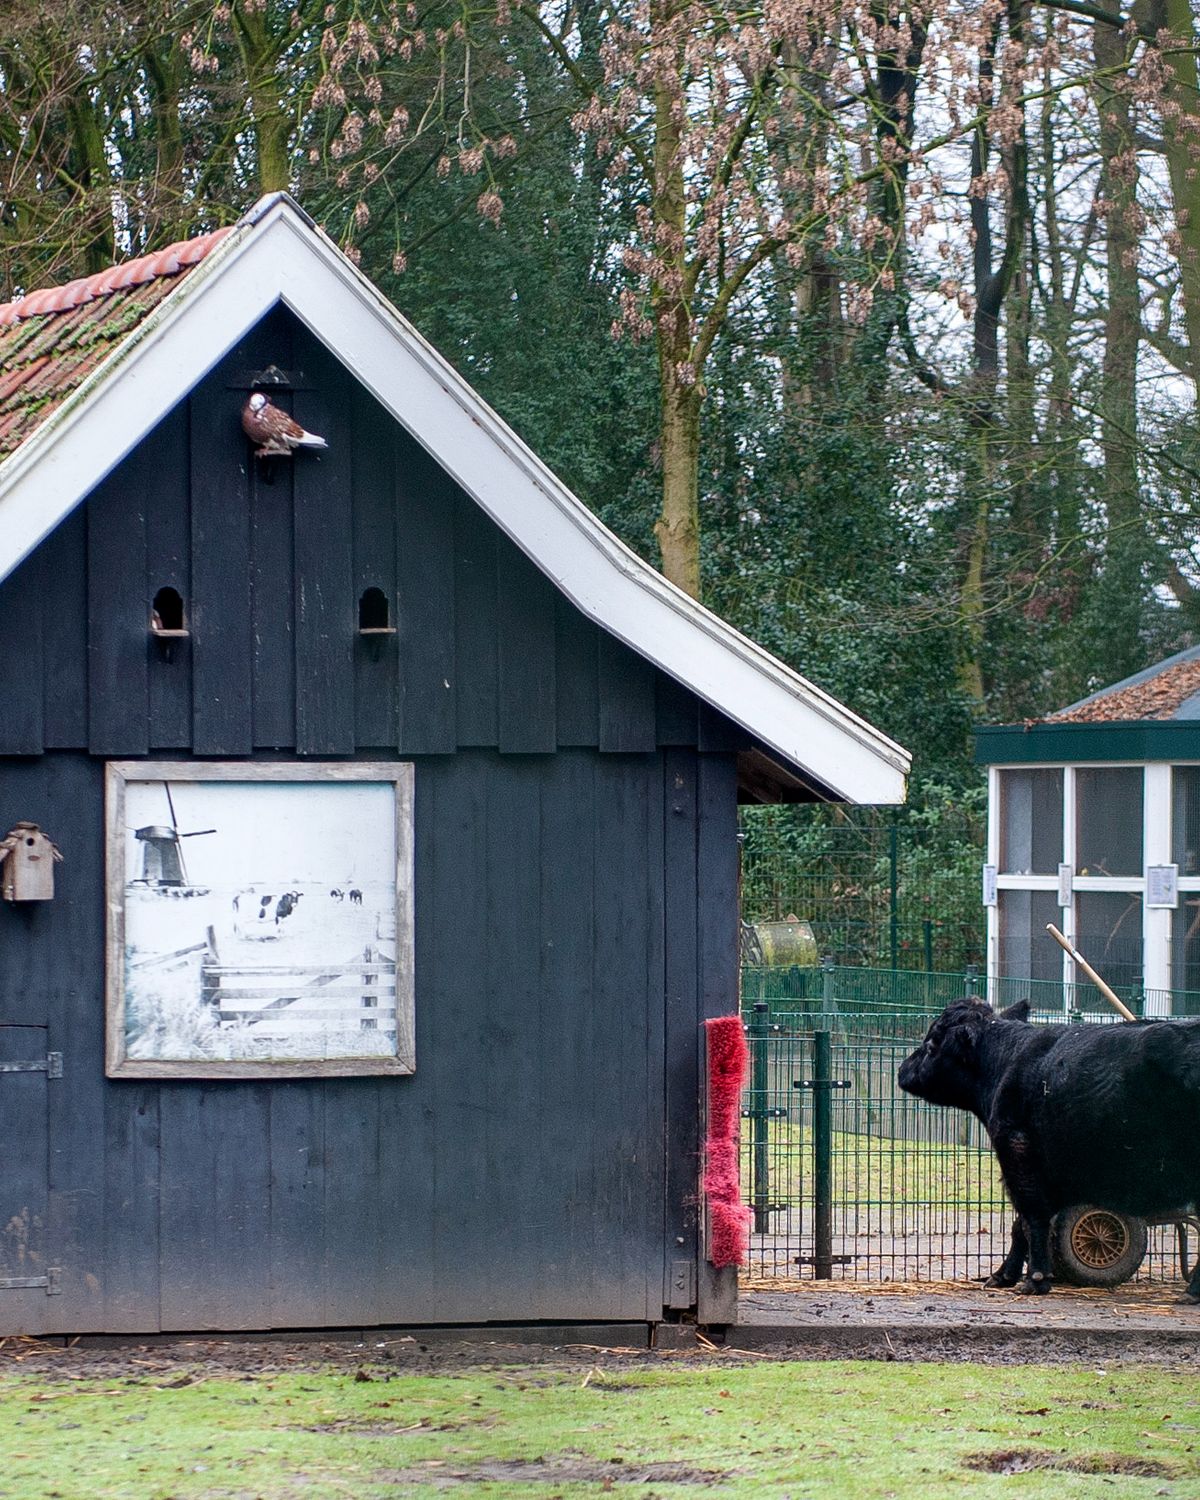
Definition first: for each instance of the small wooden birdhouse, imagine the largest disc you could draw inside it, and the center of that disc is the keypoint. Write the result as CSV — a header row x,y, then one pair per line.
x,y
27,860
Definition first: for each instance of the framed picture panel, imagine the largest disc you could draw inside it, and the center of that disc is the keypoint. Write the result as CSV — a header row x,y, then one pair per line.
x,y
260,919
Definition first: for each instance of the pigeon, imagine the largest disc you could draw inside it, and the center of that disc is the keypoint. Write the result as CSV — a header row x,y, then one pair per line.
x,y
273,430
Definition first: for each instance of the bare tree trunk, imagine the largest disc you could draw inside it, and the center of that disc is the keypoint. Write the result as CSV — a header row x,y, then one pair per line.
x,y
260,59
1061,439
1181,141
1125,555
678,525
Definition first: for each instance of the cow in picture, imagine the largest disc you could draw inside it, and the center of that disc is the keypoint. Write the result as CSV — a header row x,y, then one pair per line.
x,y
1105,1115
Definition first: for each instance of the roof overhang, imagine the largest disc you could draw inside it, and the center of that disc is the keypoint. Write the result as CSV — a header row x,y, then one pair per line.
x,y
277,254
1071,744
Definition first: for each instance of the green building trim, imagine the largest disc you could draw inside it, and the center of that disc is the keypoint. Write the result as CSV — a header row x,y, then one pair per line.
x,y
1059,744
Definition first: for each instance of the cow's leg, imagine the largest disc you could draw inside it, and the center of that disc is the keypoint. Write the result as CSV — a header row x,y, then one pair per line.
x,y
1008,1272
1039,1281
1019,1167
1192,1291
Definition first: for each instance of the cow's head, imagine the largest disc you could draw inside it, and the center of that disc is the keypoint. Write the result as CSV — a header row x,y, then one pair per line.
x,y
945,1068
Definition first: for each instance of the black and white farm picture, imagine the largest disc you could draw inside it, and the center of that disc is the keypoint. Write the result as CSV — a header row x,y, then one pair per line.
x,y
260,922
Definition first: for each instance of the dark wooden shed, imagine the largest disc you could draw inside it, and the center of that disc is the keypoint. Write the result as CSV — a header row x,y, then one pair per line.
x,y
420,594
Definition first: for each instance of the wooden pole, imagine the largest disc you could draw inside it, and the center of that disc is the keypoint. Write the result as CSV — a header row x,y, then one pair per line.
x,y
1109,994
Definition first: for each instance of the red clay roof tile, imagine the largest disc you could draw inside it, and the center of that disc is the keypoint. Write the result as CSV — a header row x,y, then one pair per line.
x,y
168,262
52,338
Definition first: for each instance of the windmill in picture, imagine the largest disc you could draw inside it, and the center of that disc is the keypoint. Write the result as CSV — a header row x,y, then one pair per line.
x,y
162,853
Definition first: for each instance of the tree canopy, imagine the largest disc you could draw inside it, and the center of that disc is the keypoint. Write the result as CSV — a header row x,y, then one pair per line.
x,y
877,324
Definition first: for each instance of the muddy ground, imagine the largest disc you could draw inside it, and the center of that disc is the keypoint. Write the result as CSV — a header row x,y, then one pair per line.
x,y
942,1321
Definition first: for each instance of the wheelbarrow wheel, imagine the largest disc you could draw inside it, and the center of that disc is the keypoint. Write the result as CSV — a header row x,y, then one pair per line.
x,y
1094,1246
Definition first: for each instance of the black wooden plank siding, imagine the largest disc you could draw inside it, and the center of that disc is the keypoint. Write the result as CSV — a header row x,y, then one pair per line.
x,y
526,637
512,1034
272,547
118,612
272,554
223,634
376,673
568,1082
627,698
628,960
354,1219
51,948
64,633
455,1071
577,652
22,715
425,583
168,565
65,971
475,625
132,1252
680,850
296,1148
676,708
717,732
215,1192
324,572
412,1111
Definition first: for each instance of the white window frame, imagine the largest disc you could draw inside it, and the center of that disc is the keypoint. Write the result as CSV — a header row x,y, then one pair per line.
x,y
1157,816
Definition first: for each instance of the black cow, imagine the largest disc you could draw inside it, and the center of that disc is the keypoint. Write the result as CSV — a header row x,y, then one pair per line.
x,y
1077,1114
286,906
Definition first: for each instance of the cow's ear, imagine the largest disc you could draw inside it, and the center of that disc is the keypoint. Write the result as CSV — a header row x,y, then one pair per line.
x,y
1017,1012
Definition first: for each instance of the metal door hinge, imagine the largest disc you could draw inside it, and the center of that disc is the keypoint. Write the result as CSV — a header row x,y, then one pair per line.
x,y
51,1281
51,1065
683,1284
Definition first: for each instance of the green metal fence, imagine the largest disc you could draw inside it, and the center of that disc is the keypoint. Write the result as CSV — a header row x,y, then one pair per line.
x,y
847,1177
899,888
798,991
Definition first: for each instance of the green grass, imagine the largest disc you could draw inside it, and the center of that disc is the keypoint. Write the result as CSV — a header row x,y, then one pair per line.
x,y
879,1170
844,1430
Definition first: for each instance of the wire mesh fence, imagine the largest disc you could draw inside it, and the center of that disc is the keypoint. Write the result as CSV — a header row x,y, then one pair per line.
x,y
899,890
804,991
847,1177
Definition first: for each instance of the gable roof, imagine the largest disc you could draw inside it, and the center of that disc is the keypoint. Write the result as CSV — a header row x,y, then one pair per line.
x,y
178,325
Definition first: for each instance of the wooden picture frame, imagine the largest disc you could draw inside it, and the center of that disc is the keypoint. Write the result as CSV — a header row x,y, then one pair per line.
x,y
287,949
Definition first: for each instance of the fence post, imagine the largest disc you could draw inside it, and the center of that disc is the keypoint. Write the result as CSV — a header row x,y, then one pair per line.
x,y
760,1155
822,1156
928,928
893,871
971,979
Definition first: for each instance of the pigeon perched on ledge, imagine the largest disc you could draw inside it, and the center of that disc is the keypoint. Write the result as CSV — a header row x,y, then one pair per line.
x,y
273,430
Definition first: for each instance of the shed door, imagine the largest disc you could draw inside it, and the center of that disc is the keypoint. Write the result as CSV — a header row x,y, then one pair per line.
x,y
25,1278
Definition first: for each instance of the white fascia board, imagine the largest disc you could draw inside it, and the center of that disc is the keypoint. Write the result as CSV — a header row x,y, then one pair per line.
x,y
280,255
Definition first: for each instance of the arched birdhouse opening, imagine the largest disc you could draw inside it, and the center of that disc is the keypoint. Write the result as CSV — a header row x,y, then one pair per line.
x,y
374,619
373,613
168,612
168,621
